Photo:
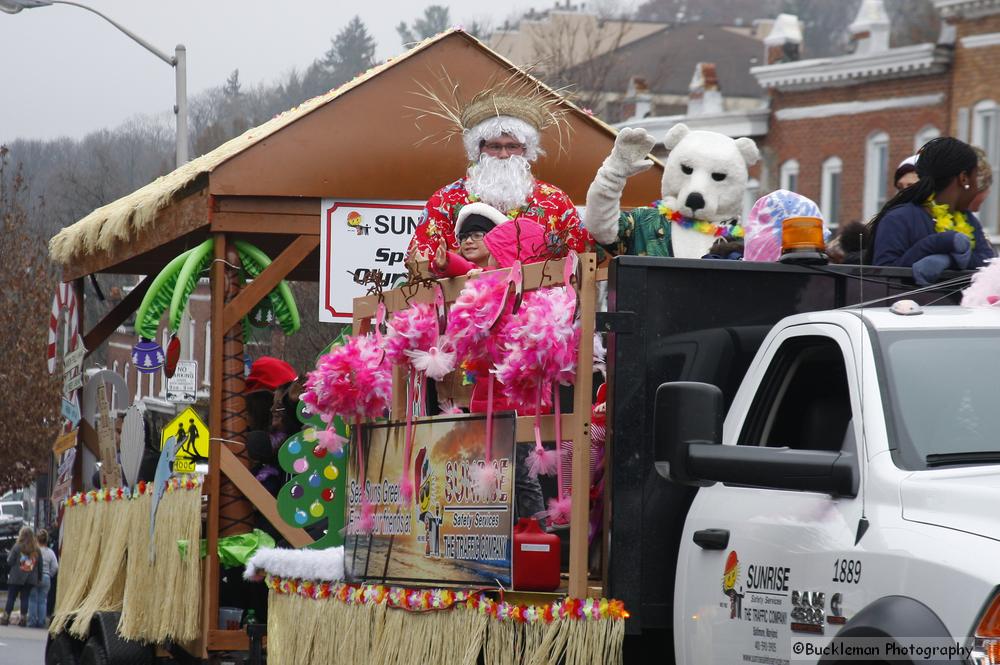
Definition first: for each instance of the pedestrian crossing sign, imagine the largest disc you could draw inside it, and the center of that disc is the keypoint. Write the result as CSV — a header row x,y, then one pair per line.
x,y
192,434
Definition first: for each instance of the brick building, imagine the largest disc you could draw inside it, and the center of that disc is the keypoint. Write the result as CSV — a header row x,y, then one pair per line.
x,y
839,126
836,128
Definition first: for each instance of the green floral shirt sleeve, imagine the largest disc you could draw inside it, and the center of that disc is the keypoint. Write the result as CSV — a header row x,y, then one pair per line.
x,y
643,232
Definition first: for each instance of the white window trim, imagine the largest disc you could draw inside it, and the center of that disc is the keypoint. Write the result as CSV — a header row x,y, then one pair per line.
x,y
831,166
926,133
989,213
872,179
788,169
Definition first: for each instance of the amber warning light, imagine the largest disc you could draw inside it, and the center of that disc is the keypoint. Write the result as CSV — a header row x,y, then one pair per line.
x,y
802,241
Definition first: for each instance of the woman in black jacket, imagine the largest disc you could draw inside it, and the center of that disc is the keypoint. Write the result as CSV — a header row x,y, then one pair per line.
x,y
25,564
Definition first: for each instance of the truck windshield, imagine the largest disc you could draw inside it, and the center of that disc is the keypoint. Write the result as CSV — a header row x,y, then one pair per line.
x,y
941,387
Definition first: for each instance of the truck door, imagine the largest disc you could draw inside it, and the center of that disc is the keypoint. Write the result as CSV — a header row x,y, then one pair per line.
x,y
747,600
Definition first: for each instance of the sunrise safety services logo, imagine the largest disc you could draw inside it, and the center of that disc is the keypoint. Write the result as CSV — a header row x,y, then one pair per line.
x,y
730,577
357,222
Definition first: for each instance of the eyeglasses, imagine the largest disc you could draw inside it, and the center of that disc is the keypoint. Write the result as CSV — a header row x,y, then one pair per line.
x,y
494,148
475,236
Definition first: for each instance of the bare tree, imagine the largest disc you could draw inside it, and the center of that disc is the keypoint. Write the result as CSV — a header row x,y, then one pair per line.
x,y
578,52
29,402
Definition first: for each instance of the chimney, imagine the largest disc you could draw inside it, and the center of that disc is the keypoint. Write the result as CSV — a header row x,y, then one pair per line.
x,y
638,96
870,30
704,96
784,42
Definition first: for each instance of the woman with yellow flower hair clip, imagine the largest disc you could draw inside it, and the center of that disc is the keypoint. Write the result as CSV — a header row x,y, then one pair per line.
x,y
928,226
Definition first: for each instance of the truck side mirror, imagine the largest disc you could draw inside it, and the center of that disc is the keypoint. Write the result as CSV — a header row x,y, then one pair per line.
x,y
685,412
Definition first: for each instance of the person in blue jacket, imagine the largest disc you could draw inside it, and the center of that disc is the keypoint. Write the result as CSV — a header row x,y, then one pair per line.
x,y
928,226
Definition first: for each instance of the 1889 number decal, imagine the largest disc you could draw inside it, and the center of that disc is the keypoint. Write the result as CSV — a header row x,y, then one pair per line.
x,y
847,570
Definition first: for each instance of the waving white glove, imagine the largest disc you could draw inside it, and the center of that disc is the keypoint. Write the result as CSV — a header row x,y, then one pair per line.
x,y
627,158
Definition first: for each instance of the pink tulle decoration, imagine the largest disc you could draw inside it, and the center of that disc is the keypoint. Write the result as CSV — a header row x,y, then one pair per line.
x,y
542,461
411,329
329,439
473,314
366,523
485,478
559,510
406,490
984,291
537,346
352,381
436,363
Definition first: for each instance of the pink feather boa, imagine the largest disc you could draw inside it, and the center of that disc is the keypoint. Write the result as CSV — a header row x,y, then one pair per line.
x,y
537,346
352,381
411,329
984,291
471,317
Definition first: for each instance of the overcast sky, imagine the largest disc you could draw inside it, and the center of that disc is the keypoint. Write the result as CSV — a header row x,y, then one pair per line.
x,y
67,72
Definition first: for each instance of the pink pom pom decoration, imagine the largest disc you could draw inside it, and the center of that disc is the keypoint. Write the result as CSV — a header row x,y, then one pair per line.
x,y
485,478
436,363
559,510
366,523
984,291
411,329
542,461
537,347
330,440
472,315
352,381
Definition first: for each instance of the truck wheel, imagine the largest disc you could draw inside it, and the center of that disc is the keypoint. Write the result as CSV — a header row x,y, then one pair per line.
x,y
94,653
61,650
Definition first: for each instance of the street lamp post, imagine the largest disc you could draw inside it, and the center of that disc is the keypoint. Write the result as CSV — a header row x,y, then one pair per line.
x,y
178,62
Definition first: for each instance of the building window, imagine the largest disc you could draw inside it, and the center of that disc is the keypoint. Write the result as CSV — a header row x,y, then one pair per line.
x,y
830,192
876,173
790,175
985,134
925,134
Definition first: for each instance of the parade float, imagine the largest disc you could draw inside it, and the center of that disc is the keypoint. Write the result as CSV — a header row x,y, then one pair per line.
x,y
284,201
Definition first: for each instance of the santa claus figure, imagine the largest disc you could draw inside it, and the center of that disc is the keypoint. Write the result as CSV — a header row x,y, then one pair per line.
x,y
500,131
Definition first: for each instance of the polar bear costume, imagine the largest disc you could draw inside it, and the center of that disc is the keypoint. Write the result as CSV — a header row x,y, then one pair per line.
x,y
704,179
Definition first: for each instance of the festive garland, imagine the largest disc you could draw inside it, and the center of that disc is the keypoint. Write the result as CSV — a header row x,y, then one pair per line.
x,y
107,494
946,219
429,600
699,225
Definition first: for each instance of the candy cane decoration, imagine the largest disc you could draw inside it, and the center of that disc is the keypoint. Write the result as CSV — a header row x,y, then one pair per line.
x,y
64,299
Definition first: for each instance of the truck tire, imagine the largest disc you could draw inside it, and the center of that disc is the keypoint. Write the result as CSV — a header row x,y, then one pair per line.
x,y
113,650
94,653
62,649
894,617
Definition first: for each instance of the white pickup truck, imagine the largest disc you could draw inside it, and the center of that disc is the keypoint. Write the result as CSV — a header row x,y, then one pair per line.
x,y
848,486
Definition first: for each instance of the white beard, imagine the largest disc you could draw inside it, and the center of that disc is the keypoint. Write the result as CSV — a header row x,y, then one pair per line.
x,y
504,184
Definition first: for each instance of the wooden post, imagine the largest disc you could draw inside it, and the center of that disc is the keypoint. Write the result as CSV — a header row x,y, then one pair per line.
x,y
579,521
210,598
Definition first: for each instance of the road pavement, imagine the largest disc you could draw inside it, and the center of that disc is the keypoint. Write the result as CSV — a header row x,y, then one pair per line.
x,y
22,646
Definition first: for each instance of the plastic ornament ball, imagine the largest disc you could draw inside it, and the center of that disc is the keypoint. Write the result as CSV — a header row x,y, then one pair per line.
x,y
297,491
328,494
316,509
300,465
319,452
314,480
300,517
294,447
330,472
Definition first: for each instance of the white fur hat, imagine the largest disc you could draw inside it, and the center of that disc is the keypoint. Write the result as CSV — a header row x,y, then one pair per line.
x,y
479,208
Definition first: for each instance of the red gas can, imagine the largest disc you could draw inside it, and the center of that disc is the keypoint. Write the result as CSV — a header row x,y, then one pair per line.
x,y
536,557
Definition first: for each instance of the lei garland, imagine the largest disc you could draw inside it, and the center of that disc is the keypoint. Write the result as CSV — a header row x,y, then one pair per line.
x,y
946,219
108,494
429,600
701,226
